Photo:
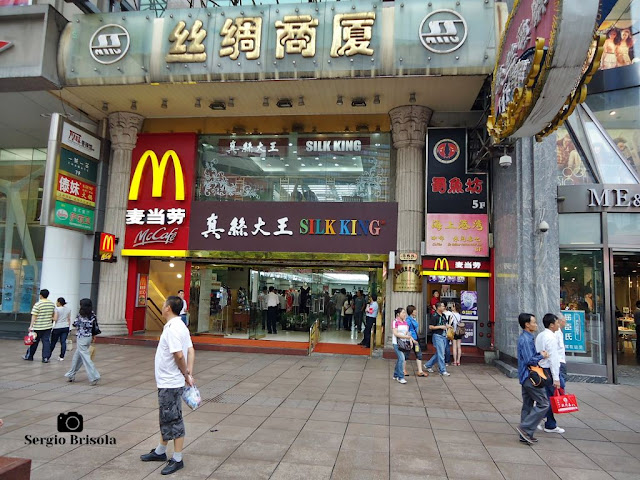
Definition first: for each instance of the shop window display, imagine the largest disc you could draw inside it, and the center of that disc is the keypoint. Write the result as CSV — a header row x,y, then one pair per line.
x,y
621,33
582,302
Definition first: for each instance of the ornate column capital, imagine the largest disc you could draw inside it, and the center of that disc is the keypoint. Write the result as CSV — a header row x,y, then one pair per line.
x,y
123,129
409,125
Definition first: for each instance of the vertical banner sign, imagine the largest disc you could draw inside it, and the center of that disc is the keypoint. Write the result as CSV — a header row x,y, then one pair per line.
x,y
143,290
574,335
160,194
76,175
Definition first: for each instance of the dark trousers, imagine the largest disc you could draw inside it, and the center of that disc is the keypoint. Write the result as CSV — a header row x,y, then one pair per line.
x,y
272,319
357,320
447,352
61,334
265,315
551,419
45,336
347,321
371,321
535,404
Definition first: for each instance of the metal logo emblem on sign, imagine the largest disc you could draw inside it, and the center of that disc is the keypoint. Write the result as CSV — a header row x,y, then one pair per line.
x,y
109,44
443,31
446,151
5,45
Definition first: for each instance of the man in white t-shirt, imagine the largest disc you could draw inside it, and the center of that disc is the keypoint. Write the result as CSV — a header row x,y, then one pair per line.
x,y
183,310
173,367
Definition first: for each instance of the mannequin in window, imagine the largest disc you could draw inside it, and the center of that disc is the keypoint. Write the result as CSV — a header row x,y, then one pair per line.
x,y
304,295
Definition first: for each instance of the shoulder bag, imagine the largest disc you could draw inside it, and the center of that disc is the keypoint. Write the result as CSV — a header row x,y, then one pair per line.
x,y
404,344
95,328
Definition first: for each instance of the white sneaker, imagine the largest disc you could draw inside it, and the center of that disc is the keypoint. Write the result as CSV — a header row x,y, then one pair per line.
x,y
60,359
446,374
554,430
539,427
403,381
430,370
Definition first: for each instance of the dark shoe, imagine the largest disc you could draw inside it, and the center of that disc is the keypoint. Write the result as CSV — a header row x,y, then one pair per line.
x,y
27,359
45,360
524,436
534,440
152,456
172,467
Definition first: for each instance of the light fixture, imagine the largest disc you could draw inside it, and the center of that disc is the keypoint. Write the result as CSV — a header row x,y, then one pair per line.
x,y
301,101
217,105
412,97
265,101
612,112
172,264
164,103
239,130
363,127
358,102
378,128
134,105
339,101
179,275
302,165
346,129
284,103
376,99
198,104
105,106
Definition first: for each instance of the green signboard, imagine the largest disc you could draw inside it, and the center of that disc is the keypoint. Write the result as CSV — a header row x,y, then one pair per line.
x,y
73,216
353,39
78,165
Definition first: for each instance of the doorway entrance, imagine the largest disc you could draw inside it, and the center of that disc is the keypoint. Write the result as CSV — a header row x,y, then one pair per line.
x,y
165,278
626,294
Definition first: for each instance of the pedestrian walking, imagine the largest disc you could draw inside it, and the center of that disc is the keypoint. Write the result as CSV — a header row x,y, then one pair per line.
x,y
400,330
184,309
61,327
43,315
348,312
535,402
548,341
174,361
457,337
438,325
413,331
359,305
264,307
372,314
273,302
84,324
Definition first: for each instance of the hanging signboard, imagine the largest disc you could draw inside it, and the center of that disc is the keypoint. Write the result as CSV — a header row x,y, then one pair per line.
x,y
455,235
575,339
546,58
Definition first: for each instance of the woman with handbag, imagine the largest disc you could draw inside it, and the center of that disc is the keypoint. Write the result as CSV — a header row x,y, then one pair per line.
x,y
402,342
458,335
413,331
86,324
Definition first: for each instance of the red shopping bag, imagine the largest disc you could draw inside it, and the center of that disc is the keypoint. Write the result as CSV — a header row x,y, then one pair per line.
x,y
562,403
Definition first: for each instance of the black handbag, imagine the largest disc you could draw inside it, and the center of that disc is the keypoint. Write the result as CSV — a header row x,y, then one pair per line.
x,y
404,344
95,328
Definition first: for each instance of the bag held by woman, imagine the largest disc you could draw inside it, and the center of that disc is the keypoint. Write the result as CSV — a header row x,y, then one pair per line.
x,y
450,333
404,344
460,330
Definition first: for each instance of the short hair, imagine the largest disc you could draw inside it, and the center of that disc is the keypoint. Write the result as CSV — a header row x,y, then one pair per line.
x,y
435,291
343,291
524,318
374,297
549,319
410,309
44,293
180,291
638,304
438,304
62,301
175,304
271,288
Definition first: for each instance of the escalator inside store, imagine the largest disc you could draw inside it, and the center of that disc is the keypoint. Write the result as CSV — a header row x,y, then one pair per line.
x,y
234,302
165,278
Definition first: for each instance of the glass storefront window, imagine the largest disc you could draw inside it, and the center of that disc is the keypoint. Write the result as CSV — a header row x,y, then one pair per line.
x,y
582,300
579,228
572,169
21,236
620,28
294,167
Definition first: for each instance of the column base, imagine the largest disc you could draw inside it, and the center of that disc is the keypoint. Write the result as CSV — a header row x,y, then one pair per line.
x,y
110,329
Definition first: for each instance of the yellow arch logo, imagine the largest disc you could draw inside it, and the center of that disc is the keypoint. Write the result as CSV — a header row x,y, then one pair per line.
x,y
158,171
441,264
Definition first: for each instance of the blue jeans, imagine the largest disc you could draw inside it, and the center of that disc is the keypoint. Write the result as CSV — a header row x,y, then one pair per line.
x,y
439,341
59,334
45,337
447,352
184,319
551,419
399,370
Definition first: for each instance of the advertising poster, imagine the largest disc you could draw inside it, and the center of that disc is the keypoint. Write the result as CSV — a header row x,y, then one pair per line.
x,y
574,335
469,303
470,331
143,290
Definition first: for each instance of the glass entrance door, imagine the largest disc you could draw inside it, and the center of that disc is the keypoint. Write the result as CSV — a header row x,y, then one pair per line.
x,y
626,313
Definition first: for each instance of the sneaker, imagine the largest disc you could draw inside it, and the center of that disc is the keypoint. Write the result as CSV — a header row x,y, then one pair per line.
x,y
534,440
430,370
524,436
172,467
61,359
27,359
394,377
152,456
554,430
445,374
402,381
45,360
539,427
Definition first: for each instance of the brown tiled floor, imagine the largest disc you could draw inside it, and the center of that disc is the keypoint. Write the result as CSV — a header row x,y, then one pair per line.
x,y
319,417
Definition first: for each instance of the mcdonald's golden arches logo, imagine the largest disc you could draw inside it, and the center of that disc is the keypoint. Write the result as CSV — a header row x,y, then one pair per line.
x,y
107,243
441,264
158,169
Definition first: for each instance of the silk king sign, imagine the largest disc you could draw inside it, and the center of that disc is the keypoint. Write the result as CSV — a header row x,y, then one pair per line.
x,y
546,58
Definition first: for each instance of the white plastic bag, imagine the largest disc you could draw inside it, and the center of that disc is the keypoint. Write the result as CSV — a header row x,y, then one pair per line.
x,y
191,396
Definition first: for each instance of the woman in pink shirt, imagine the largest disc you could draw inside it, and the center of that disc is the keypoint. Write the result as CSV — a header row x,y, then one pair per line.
x,y
400,330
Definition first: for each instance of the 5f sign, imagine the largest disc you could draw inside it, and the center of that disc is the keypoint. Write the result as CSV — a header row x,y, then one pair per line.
x,y
158,172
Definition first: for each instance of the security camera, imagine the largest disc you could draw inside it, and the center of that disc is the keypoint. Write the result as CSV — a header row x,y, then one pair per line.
x,y
543,226
505,161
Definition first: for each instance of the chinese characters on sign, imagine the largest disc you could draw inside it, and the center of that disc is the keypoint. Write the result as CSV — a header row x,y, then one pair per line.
x,y
574,334
194,52
155,216
238,227
457,235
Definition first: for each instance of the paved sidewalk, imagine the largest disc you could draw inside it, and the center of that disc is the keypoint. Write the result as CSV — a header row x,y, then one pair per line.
x,y
281,417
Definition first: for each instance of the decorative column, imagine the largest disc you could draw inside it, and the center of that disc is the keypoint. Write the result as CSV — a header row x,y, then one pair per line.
x,y
123,128
409,130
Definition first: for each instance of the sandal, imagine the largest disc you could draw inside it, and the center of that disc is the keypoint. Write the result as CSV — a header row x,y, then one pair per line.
x,y
422,374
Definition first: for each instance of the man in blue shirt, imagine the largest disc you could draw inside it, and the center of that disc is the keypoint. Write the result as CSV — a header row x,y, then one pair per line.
x,y
531,414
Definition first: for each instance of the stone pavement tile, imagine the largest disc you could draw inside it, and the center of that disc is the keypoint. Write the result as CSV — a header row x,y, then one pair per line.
x,y
108,473
207,446
624,476
620,437
450,424
333,406
366,430
217,407
631,448
50,471
349,473
521,454
363,460
414,476
260,451
436,412
370,408
355,443
555,458
326,427
555,443
276,435
581,434
294,471
111,400
581,474
604,448
459,468
107,422
311,455
323,439
516,471
494,417
456,436
197,416
606,425
330,416
301,413
617,463
481,406
91,455
237,420
370,418
410,421
257,410
141,425
294,424
491,427
231,432
131,460
457,450
423,444
425,464
8,445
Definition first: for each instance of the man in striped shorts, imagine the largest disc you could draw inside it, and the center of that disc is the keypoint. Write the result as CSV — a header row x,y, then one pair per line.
x,y
43,316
